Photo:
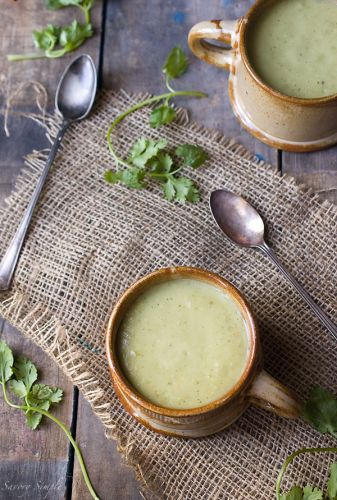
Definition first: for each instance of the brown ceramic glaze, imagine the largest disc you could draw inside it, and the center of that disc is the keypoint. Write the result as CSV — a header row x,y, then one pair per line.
x,y
284,122
255,385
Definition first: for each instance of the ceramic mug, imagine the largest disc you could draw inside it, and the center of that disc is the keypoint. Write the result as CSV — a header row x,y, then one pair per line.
x,y
283,122
255,386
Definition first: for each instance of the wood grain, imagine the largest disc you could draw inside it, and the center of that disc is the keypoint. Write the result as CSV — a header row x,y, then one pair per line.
x,y
111,478
317,171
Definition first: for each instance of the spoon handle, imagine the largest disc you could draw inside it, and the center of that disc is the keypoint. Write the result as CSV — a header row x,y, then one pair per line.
x,y
311,303
9,260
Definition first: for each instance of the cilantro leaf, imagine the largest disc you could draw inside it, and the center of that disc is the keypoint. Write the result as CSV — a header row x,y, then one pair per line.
x,y
169,190
18,388
132,177
25,371
160,164
41,392
162,115
73,36
194,156
33,419
296,493
47,38
6,362
138,147
180,189
142,152
321,410
332,483
176,63
185,190
310,493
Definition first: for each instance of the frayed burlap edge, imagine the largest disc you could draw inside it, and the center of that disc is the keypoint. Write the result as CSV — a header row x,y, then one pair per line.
x,y
55,337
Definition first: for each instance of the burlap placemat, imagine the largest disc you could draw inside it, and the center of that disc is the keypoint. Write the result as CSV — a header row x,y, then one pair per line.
x,y
89,241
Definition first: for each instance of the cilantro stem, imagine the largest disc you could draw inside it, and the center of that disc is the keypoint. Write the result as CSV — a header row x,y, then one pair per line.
x,y
75,446
142,104
18,407
26,57
87,15
164,175
291,457
167,83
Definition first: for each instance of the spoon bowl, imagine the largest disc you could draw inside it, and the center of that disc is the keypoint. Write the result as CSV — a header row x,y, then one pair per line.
x,y
76,90
240,222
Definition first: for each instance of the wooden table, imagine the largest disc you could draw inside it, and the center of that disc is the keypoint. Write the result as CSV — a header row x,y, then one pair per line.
x,y
132,38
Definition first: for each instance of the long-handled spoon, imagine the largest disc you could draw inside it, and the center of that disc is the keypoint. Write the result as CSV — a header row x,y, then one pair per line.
x,y
74,98
243,225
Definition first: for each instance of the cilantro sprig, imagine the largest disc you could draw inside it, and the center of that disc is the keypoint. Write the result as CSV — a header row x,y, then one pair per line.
x,y
148,160
160,166
320,411
56,41
20,375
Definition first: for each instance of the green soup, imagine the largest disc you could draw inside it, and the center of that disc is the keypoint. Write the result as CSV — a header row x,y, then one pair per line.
x,y
292,45
183,343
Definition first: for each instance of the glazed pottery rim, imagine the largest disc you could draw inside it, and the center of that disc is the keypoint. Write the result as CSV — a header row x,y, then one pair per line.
x,y
166,274
311,101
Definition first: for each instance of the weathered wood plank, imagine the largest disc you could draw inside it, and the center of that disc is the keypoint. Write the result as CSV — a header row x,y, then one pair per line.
x,y
33,463
138,37
109,476
317,171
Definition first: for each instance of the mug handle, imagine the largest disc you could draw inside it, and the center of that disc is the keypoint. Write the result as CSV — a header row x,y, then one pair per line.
x,y
269,394
222,31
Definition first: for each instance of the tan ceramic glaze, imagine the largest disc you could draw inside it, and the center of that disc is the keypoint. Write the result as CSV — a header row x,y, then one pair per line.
x,y
284,122
255,385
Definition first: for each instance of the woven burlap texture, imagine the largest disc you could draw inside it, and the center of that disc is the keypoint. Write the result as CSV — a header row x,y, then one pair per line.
x,y
89,241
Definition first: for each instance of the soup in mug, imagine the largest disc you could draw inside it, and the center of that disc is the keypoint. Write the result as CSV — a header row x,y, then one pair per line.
x,y
292,45
183,343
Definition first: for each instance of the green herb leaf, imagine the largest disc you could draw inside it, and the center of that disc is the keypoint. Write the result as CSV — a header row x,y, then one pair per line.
x,y
26,371
176,63
162,115
296,493
332,483
18,388
161,164
6,362
145,149
33,419
180,189
310,493
73,36
194,156
138,147
169,190
321,411
132,177
42,392
47,38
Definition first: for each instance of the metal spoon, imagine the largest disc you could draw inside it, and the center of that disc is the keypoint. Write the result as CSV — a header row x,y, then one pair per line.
x,y
74,98
243,225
